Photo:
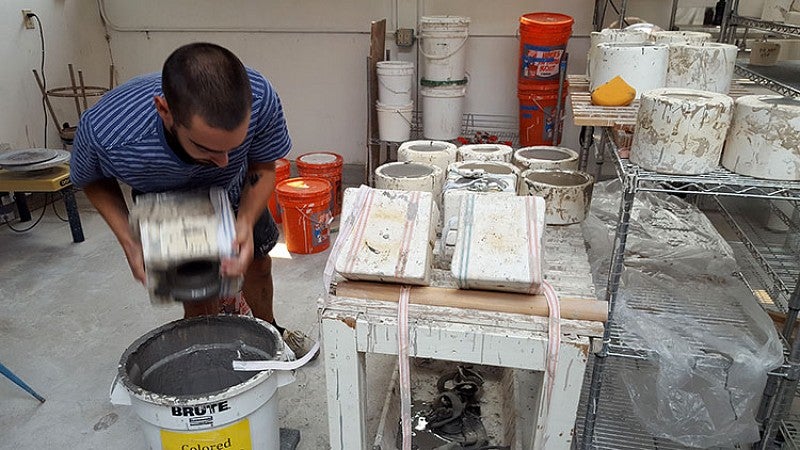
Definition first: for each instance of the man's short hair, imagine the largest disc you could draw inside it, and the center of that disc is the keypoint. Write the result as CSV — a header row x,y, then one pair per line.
x,y
209,81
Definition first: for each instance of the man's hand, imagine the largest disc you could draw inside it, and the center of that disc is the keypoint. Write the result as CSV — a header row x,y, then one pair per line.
x,y
243,243
133,252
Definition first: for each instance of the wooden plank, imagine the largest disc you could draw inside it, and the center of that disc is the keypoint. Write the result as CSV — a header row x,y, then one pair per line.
x,y
345,375
533,305
377,49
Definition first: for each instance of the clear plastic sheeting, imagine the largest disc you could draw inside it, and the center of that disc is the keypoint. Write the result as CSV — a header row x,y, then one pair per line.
x,y
709,370
709,345
665,232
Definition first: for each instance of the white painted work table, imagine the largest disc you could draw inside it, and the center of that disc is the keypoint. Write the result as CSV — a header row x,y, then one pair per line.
x,y
355,322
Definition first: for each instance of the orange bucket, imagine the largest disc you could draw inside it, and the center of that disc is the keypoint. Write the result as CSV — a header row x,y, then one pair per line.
x,y
325,165
543,41
283,170
537,111
306,206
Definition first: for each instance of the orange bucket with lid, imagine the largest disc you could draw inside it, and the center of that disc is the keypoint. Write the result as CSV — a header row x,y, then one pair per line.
x,y
283,171
327,165
306,208
543,38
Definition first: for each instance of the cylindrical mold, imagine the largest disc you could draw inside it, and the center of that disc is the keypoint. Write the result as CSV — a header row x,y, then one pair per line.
x,y
612,36
475,167
707,67
642,66
437,153
681,131
476,177
751,8
764,139
680,37
543,157
775,10
567,193
410,176
485,152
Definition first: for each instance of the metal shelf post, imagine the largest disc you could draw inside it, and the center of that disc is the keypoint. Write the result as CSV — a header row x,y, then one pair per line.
x,y
615,273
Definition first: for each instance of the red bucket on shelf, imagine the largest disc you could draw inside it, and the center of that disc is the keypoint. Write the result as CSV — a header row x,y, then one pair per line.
x,y
283,170
537,115
306,206
325,165
543,38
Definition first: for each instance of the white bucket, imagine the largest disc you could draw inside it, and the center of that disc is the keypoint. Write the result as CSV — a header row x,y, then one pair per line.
x,y
437,153
442,43
394,122
442,111
395,79
179,380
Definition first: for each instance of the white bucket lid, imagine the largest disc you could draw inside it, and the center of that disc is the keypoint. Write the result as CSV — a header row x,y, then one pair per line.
x,y
389,108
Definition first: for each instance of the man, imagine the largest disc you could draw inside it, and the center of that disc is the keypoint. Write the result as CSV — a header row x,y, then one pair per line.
x,y
204,121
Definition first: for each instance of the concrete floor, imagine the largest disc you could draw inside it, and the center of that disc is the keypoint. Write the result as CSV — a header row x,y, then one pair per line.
x,y
69,312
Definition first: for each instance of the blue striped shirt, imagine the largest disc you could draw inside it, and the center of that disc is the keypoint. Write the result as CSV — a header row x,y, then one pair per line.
x,y
122,137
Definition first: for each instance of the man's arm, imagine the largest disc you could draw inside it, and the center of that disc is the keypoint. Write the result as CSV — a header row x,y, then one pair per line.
x,y
107,198
258,186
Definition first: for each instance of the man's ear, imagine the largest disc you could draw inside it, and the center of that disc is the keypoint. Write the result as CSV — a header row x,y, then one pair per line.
x,y
163,110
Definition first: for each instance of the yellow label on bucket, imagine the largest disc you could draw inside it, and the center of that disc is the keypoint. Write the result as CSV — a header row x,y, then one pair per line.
x,y
232,437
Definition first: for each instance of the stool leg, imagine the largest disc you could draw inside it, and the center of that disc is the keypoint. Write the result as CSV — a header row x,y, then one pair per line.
x,y
4,370
73,215
22,206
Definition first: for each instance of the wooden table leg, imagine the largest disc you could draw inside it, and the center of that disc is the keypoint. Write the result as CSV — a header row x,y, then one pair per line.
x,y
345,372
557,429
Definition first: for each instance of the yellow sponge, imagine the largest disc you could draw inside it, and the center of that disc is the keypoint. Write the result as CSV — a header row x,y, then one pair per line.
x,y
615,92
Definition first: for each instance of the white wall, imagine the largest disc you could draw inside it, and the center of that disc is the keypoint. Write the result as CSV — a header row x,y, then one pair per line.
x,y
314,52
321,76
73,34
